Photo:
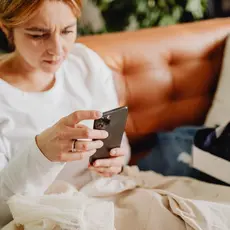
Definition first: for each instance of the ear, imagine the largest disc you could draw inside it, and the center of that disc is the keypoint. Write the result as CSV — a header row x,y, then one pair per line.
x,y
9,37
4,29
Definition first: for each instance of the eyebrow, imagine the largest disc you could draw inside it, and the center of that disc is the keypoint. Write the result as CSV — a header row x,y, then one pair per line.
x,y
44,30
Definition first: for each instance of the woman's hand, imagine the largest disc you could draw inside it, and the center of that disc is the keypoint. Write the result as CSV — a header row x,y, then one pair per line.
x,y
56,143
111,166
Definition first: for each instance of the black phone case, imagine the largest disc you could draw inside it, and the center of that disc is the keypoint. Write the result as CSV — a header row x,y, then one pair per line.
x,y
114,122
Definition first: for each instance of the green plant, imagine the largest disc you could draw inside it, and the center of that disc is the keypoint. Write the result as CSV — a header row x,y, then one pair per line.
x,y
135,14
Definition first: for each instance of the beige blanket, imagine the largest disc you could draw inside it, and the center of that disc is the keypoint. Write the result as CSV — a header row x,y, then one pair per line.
x,y
149,201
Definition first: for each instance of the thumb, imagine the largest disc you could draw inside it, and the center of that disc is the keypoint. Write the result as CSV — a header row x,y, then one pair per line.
x,y
78,116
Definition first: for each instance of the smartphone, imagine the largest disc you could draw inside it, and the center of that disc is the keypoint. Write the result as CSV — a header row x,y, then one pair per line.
x,y
114,122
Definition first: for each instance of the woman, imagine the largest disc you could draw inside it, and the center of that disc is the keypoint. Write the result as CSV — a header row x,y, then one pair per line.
x,y
50,91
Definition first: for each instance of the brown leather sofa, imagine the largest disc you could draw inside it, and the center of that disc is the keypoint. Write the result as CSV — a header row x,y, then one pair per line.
x,y
167,76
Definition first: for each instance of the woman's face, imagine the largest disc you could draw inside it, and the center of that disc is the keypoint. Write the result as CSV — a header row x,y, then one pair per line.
x,y
44,41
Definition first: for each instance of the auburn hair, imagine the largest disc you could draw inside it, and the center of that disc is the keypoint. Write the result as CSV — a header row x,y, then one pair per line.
x,y
13,13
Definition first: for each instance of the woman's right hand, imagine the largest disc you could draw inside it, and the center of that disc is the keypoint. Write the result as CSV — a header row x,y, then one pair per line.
x,y
56,142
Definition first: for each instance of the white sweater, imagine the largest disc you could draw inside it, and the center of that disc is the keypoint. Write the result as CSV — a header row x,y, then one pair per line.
x,y
82,82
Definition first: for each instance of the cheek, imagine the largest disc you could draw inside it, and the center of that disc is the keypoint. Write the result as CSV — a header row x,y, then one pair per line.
x,y
68,47
28,48
69,42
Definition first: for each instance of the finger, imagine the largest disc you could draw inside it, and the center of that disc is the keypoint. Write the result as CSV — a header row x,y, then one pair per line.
x,y
117,161
78,116
106,174
116,152
111,170
86,133
80,126
67,157
87,145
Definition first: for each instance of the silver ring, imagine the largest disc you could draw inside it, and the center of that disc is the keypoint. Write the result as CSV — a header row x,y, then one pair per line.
x,y
74,150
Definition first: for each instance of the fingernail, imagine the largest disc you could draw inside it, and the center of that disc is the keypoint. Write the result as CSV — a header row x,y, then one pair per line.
x,y
114,152
101,143
96,164
106,134
98,114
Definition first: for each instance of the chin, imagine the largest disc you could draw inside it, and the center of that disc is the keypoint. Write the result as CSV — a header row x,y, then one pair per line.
x,y
50,67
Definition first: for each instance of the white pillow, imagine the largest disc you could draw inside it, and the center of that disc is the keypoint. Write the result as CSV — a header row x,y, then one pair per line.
x,y
219,114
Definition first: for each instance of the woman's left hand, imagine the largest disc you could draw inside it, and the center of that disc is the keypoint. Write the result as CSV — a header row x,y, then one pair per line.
x,y
111,166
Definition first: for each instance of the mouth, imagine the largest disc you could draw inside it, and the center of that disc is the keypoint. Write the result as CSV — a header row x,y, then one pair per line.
x,y
51,62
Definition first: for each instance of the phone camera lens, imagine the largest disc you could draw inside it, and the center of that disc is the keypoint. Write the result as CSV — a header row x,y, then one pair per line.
x,y
108,117
101,124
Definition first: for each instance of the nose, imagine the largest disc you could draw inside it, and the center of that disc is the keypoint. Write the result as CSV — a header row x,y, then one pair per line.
x,y
55,46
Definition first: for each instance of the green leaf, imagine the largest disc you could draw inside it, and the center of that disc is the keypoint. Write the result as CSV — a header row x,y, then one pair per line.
x,y
133,23
172,2
141,7
162,3
154,16
151,3
195,8
145,23
177,12
167,20
104,6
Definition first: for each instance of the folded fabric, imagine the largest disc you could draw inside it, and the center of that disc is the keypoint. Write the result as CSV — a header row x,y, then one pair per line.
x,y
141,200
67,209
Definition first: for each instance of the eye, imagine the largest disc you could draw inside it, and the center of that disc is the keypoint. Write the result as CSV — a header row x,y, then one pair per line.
x,y
67,32
38,36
